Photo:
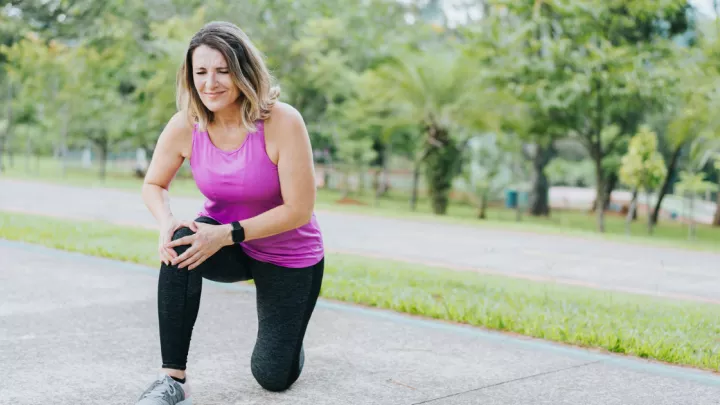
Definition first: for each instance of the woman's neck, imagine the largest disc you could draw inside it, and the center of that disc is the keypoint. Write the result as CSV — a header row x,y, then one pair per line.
x,y
227,118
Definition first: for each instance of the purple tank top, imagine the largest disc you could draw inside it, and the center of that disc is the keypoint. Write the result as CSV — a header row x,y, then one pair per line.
x,y
243,183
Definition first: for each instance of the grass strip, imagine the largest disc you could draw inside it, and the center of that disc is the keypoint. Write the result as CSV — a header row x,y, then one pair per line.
x,y
677,332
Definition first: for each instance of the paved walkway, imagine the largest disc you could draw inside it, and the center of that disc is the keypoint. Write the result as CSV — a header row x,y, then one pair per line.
x,y
83,331
600,264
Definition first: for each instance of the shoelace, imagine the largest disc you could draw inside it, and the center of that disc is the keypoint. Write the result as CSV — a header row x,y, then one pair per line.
x,y
157,390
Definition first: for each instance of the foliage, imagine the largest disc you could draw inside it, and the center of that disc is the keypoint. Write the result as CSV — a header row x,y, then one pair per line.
x,y
442,93
694,183
565,172
483,174
375,78
643,167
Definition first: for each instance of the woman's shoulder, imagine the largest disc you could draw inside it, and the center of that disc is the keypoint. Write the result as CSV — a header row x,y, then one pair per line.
x,y
178,132
180,123
284,119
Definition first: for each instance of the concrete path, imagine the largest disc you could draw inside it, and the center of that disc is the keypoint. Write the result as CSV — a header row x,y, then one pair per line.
x,y
600,264
83,331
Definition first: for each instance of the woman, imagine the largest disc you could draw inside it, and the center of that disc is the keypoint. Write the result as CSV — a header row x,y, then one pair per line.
x,y
251,157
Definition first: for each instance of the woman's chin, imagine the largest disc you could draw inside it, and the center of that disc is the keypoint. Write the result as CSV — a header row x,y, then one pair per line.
x,y
216,105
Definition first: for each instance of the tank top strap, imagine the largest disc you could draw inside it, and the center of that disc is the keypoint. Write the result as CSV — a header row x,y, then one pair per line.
x,y
196,130
196,143
260,130
258,135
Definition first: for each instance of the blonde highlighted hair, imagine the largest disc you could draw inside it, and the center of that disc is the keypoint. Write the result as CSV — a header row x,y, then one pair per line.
x,y
247,68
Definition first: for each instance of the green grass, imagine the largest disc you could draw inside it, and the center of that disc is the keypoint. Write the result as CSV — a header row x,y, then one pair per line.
x,y
677,332
574,223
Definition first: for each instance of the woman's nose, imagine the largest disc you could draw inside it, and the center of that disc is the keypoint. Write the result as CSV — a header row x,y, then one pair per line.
x,y
211,80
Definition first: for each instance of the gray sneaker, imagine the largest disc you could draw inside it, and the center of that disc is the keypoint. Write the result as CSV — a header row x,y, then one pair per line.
x,y
166,391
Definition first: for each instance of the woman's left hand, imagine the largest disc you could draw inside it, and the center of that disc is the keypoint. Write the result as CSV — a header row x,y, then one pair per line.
x,y
204,243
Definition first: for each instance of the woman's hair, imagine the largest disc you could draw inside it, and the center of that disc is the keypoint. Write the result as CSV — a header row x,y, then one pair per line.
x,y
248,70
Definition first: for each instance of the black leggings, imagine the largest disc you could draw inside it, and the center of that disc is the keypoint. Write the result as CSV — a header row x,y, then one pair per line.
x,y
286,298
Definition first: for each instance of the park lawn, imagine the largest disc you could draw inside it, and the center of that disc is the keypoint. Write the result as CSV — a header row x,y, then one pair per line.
x,y
574,223
676,332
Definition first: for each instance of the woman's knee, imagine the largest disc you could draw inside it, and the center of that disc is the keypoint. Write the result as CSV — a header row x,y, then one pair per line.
x,y
182,232
185,231
271,378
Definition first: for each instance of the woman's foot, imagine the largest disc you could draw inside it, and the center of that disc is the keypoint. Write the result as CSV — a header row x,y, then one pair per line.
x,y
166,391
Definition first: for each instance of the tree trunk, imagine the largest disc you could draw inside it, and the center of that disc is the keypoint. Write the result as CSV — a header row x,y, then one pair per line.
x,y
539,201
2,152
631,211
666,184
610,184
415,185
609,187
346,183
600,187
28,153
63,142
6,135
382,180
440,169
716,219
104,147
597,153
361,179
650,222
482,212
691,231
486,8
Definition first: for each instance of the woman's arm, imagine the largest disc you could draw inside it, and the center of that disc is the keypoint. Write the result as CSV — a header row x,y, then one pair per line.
x,y
297,177
167,159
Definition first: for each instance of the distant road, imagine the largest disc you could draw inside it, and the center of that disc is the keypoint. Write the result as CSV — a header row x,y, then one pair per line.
x,y
573,260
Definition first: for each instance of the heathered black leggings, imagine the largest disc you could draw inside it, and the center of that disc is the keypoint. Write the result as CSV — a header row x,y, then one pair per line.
x,y
286,298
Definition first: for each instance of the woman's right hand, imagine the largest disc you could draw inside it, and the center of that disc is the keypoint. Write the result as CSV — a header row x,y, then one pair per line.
x,y
167,229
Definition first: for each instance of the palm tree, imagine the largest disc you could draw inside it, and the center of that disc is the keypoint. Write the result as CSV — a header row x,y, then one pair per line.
x,y
441,93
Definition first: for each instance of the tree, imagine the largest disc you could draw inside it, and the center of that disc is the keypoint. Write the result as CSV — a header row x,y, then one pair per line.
x,y
441,92
691,184
486,157
689,112
610,76
642,168
39,70
563,59
155,74
524,60
703,155
108,83
716,217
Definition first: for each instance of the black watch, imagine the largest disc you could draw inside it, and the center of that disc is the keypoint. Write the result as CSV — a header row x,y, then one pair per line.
x,y
238,233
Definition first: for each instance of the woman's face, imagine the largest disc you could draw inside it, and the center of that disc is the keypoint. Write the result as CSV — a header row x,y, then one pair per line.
x,y
213,79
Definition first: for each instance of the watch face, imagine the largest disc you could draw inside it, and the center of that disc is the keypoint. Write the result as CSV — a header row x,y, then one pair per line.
x,y
238,234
